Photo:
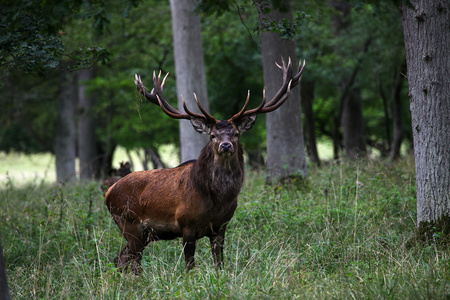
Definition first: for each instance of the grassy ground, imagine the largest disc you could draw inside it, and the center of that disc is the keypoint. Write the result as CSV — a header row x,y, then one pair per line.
x,y
339,235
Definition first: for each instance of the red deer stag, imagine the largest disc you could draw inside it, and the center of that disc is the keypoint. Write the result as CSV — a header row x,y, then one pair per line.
x,y
197,198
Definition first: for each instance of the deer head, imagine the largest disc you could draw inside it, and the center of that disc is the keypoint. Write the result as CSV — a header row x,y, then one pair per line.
x,y
224,134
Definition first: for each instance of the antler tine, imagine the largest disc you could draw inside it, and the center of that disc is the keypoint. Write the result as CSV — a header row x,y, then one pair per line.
x,y
289,81
158,81
207,116
164,81
287,76
269,108
138,82
190,112
256,110
142,90
156,95
175,115
239,114
298,76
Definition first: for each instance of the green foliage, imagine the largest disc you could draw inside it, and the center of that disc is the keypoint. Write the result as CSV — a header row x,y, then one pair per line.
x,y
371,44
24,47
30,34
27,117
288,28
233,67
30,104
139,48
214,7
132,37
341,236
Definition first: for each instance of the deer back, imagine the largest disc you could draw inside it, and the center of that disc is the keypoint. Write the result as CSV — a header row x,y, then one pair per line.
x,y
150,194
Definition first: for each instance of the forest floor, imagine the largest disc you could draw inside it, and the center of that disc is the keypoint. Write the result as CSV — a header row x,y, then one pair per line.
x,y
341,233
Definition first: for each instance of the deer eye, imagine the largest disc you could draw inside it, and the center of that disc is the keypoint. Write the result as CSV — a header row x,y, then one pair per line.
x,y
212,136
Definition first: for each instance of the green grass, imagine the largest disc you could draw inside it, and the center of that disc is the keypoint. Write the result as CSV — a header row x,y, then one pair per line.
x,y
341,235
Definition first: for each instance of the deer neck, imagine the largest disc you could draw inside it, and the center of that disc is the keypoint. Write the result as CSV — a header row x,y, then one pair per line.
x,y
219,177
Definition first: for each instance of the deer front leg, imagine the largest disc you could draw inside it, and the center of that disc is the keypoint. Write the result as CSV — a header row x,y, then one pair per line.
x,y
189,239
131,254
217,240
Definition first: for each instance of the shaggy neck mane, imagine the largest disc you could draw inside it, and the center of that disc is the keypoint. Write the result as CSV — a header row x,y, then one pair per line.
x,y
219,178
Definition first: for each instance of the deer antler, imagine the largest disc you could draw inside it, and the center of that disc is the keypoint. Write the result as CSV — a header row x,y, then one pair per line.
x,y
289,81
156,97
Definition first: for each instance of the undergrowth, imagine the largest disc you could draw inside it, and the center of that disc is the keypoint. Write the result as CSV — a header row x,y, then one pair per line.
x,y
342,234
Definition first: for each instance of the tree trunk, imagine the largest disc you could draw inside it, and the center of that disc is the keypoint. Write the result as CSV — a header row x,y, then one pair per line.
x,y
65,134
352,123
350,112
4,291
385,144
427,42
307,96
106,168
107,148
87,148
285,145
397,124
190,72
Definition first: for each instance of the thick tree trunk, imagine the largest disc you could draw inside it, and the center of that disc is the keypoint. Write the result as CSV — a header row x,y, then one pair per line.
x,y
4,291
190,72
65,133
427,42
285,145
87,148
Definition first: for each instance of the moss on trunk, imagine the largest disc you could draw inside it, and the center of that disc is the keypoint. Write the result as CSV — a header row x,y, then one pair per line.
x,y
432,232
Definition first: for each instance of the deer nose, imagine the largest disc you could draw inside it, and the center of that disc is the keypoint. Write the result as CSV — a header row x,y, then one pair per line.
x,y
226,147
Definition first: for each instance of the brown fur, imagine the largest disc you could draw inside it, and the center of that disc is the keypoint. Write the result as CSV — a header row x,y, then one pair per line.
x,y
124,170
193,200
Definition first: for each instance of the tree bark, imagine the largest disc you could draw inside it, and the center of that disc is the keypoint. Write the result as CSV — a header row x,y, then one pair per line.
x,y
285,144
427,42
87,148
65,133
352,123
385,145
307,96
190,72
397,122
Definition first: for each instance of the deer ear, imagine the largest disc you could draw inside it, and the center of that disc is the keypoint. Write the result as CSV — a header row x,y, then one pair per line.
x,y
246,123
200,125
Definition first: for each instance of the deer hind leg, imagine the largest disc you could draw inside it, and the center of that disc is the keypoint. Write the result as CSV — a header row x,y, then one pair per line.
x,y
131,255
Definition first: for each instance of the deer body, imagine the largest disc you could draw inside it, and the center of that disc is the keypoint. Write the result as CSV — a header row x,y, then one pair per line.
x,y
196,199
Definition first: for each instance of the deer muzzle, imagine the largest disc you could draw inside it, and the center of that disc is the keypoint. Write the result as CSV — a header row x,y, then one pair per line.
x,y
226,147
